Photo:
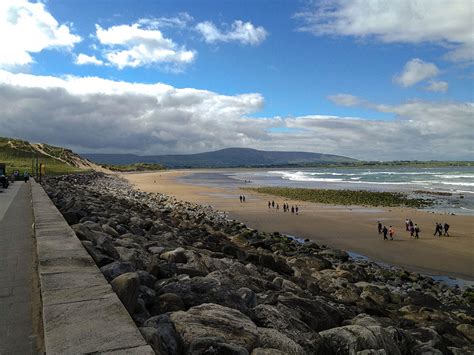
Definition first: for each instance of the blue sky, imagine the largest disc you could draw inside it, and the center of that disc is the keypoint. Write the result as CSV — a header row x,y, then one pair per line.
x,y
384,63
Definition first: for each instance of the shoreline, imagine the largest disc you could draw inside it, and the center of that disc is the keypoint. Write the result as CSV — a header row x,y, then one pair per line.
x,y
322,224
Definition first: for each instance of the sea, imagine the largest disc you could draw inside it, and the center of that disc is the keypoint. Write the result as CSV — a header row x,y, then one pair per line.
x,y
450,188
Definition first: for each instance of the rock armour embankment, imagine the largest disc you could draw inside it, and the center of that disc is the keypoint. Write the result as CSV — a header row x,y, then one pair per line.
x,y
196,283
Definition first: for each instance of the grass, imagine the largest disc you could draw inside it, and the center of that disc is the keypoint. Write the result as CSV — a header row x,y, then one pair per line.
x,y
345,197
22,154
134,167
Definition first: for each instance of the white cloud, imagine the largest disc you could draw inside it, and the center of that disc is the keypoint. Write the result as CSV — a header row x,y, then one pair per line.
x,y
243,32
416,70
134,46
446,23
181,21
437,86
27,28
84,59
91,114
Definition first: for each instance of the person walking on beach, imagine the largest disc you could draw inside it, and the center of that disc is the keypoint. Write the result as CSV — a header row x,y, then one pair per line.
x,y
273,204
269,204
243,198
385,231
292,209
412,231
296,209
240,197
407,224
391,232
438,229
379,227
278,207
417,231
446,228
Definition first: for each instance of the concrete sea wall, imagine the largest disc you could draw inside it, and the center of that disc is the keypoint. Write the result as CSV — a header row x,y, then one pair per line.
x,y
81,312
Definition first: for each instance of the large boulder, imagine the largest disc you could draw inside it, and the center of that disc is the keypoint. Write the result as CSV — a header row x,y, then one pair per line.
x,y
351,339
467,330
215,345
160,333
212,320
272,338
287,322
175,256
127,287
112,270
200,290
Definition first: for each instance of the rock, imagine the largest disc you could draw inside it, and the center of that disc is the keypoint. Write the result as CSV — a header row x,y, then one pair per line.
x,y
267,351
317,314
214,345
467,330
422,299
162,336
346,295
351,339
168,302
212,320
110,230
175,256
272,338
375,295
126,286
287,322
112,270
147,295
198,290
334,254
99,258
248,296
134,256
156,250
310,264
146,279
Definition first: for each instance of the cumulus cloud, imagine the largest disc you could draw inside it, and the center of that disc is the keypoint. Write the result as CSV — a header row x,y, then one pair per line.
x,y
84,59
27,28
91,114
437,86
135,45
416,70
243,32
94,114
448,24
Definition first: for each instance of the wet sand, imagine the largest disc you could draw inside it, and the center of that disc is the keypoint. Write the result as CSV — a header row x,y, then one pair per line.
x,y
352,228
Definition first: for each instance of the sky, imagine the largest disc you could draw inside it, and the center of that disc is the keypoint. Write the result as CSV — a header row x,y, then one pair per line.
x,y
369,79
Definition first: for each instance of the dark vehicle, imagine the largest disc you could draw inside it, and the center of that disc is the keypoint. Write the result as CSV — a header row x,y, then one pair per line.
x,y
3,179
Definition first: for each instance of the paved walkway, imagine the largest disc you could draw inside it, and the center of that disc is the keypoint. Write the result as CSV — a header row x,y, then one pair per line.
x,y
19,300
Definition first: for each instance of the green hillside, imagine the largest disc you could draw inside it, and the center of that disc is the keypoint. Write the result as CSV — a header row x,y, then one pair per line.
x,y
19,155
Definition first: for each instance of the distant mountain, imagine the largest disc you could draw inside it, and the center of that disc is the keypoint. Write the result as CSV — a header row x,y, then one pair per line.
x,y
225,158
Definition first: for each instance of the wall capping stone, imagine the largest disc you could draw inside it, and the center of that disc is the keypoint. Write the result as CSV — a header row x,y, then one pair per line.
x,y
81,312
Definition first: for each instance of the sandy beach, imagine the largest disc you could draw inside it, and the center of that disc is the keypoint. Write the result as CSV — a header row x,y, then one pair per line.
x,y
352,228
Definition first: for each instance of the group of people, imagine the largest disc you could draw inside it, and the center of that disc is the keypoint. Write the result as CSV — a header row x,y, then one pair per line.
x,y
286,207
413,229
242,198
440,228
386,231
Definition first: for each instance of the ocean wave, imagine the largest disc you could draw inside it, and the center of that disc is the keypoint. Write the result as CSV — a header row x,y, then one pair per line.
x,y
449,176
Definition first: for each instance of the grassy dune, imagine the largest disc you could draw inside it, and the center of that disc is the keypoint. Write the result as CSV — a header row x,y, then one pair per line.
x,y
134,167
18,155
345,197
